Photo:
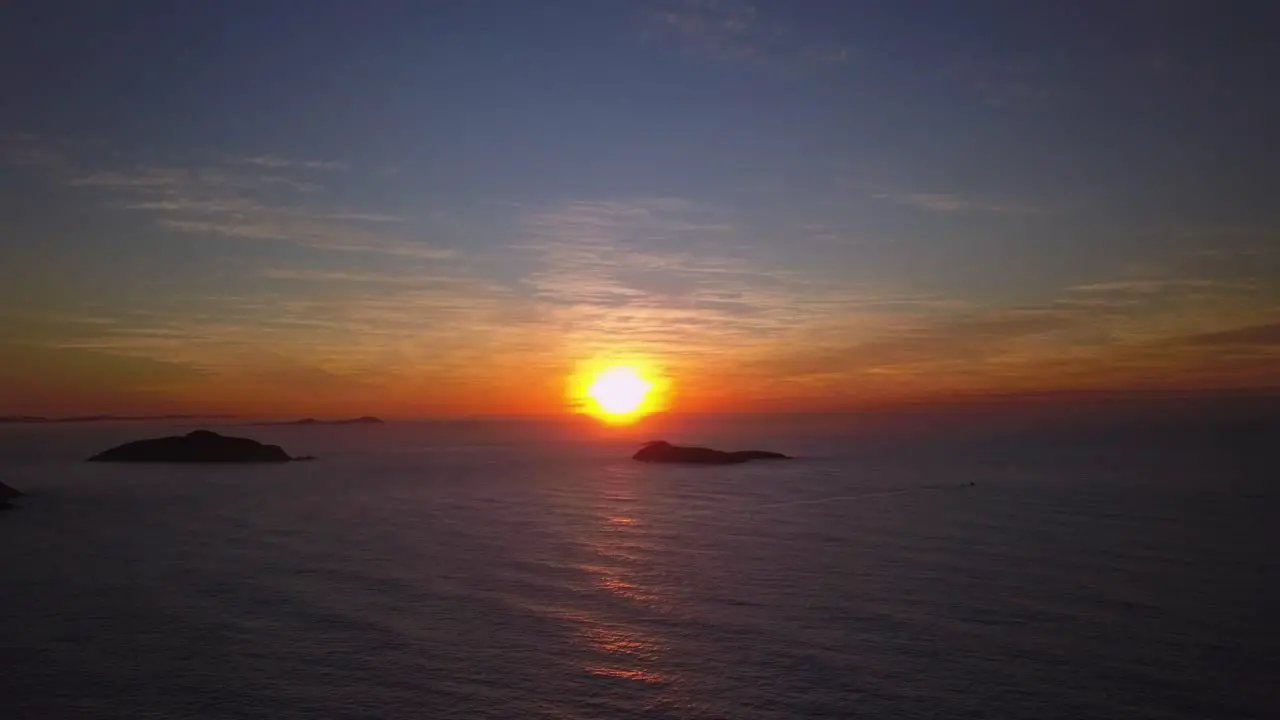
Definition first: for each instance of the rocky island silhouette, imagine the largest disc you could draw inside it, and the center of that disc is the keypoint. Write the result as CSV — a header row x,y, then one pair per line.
x,y
363,420
198,446
661,451
7,494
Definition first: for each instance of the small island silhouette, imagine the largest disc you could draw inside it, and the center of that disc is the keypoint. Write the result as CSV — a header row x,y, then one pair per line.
x,y
661,451
6,494
363,420
198,446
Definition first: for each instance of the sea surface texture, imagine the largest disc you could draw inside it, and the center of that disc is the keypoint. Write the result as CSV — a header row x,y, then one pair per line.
x,y
531,570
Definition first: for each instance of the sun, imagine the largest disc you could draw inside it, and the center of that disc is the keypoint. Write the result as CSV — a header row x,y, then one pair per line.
x,y
619,390
616,393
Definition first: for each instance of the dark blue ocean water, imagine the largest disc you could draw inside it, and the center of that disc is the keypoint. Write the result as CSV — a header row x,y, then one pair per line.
x,y
524,570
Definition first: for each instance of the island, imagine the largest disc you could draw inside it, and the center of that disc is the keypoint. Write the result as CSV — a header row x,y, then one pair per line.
x,y
661,451
6,494
198,446
365,420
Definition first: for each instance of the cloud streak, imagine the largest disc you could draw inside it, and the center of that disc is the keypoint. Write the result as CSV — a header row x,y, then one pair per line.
x,y
953,203
669,279
275,162
252,198
739,31
1263,336
223,202
1153,286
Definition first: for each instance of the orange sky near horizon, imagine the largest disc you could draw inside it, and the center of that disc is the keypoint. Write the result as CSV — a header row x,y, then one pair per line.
x,y
504,390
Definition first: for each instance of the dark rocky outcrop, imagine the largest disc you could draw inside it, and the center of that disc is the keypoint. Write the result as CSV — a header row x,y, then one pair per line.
x,y
661,451
199,446
6,494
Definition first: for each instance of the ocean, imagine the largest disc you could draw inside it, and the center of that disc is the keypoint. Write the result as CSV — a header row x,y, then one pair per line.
x,y
530,569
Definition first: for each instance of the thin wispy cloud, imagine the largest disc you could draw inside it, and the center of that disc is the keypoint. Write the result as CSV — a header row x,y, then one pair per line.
x,y
275,162
30,152
1266,335
1122,332
140,179
1155,286
291,183
740,31
670,278
332,276
954,203
597,252
933,202
367,217
227,202
1008,84
231,200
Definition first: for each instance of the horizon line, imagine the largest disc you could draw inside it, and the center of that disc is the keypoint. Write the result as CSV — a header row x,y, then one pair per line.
x,y
1066,398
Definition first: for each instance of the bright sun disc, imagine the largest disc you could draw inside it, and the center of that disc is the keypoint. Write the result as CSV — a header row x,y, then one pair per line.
x,y
617,393
619,390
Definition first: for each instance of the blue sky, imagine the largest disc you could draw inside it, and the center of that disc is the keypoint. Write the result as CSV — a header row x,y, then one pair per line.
x,y
434,207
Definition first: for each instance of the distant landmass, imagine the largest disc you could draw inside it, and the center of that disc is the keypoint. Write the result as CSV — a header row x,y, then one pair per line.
x,y
661,451
6,494
36,419
365,420
198,446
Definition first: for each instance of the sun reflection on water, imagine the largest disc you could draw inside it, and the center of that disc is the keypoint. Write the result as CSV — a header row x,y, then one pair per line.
x,y
639,675
621,546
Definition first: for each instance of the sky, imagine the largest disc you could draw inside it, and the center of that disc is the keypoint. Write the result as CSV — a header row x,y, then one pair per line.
x,y
441,208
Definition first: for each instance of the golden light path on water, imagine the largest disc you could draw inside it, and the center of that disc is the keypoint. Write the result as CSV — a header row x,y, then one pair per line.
x,y
623,550
617,541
